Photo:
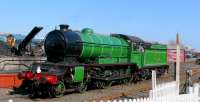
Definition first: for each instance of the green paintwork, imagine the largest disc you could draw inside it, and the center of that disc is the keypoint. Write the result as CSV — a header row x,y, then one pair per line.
x,y
87,31
111,60
122,60
113,50
158,46
95,45
137,57
78,74
156,55
153,56
106,60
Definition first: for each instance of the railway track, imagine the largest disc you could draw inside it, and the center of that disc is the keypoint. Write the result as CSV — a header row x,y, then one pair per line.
x,y
145,86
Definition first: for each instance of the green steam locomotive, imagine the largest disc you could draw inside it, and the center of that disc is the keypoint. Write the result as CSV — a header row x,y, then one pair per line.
x,y
77,60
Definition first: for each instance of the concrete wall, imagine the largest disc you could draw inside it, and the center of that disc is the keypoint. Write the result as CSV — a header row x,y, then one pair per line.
x,y
16,64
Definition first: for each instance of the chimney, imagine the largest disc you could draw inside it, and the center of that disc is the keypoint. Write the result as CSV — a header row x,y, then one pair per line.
x,y
64,27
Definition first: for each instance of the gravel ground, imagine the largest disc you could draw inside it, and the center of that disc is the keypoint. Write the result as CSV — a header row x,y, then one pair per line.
x,y
91,94
4,92
70,97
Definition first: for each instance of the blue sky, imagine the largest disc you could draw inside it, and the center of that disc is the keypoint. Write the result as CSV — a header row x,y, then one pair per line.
x,y
151,20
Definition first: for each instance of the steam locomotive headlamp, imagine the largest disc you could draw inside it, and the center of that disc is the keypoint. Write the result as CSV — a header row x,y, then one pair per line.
x,y
38,70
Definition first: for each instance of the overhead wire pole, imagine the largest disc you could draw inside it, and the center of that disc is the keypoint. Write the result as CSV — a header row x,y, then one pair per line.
x,y
177,62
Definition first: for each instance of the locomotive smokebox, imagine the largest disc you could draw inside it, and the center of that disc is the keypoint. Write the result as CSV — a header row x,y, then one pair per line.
x,y
55,46
62,43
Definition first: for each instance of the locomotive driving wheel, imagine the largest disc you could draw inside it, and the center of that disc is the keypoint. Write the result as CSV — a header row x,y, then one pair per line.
x,y
82,87
103,84
58,90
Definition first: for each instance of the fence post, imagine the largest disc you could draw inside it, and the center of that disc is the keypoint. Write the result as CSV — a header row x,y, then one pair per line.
x,y
189,88
154,86
196,92
153,79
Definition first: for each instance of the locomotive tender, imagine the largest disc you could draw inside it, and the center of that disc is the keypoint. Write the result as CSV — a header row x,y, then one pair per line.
x,y
78,59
